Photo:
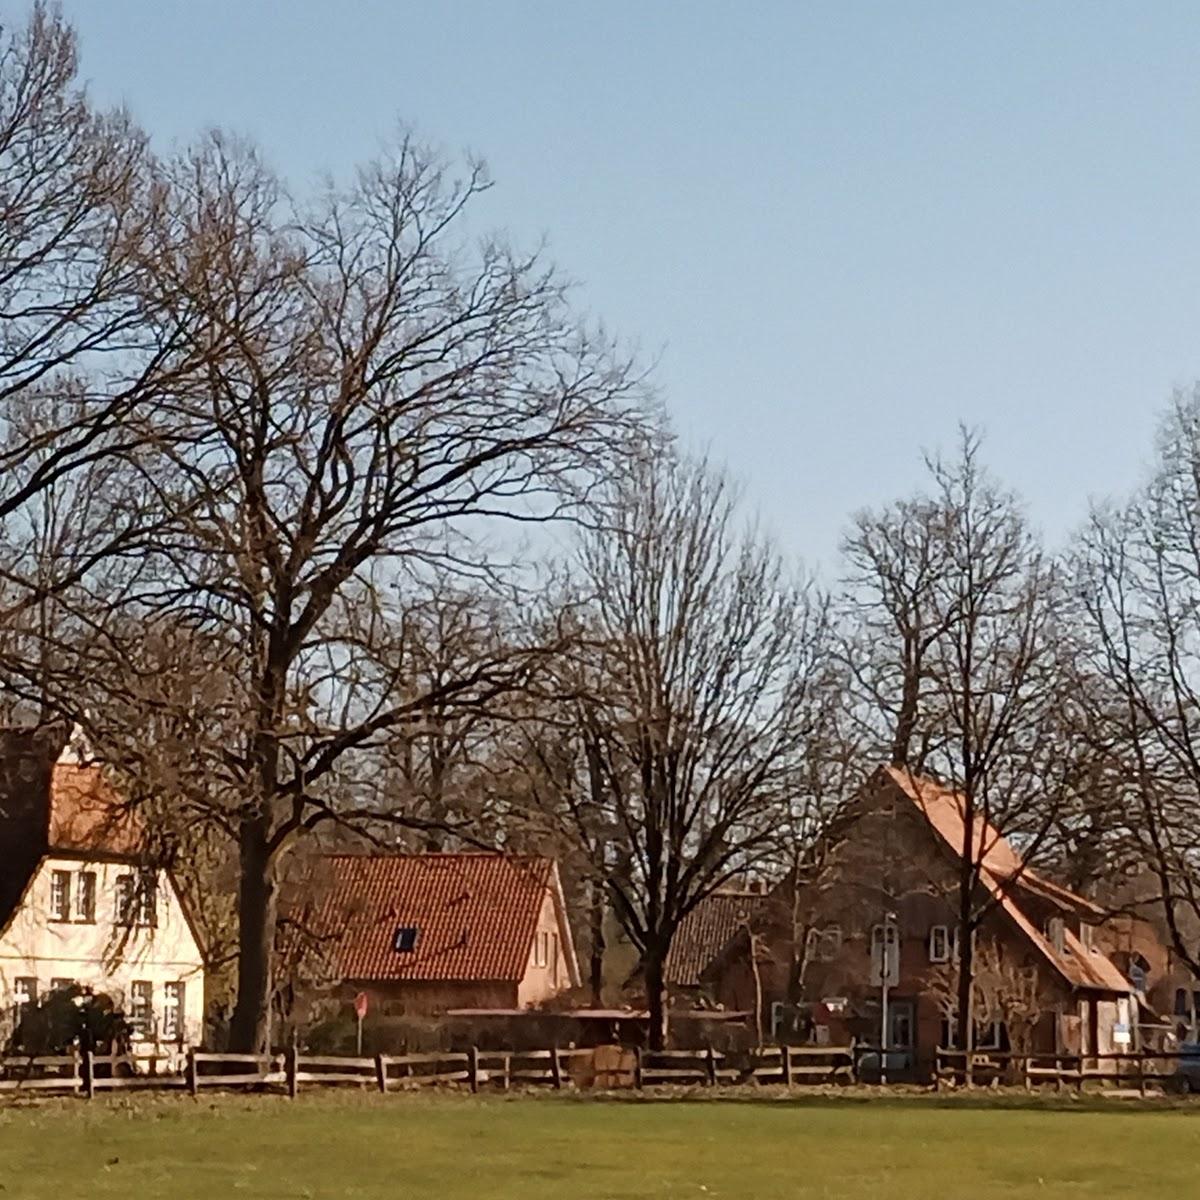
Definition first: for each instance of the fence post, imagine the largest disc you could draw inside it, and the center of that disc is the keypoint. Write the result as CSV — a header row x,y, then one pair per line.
x,y
710,1065
381,1073
556,1068
473,1068
637,1067
192,1083
1028,1077
291,1067
1079,1074
786,1052
89,1074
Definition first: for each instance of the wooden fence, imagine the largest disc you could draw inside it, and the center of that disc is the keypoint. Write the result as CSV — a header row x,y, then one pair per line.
x,y
982,1067
89,1074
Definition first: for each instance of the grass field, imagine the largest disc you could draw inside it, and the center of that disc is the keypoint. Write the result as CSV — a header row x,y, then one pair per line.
x,y
534,1148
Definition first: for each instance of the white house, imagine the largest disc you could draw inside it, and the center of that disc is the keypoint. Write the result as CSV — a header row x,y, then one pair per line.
x,y
79,905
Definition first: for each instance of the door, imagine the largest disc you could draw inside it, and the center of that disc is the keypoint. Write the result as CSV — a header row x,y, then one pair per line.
x,y
902,1028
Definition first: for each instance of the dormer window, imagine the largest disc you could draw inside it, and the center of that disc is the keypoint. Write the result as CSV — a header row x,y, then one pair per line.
x,y
404,941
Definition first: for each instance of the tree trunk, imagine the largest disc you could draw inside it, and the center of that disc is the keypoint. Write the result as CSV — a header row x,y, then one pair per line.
x,y
656,997
256,933
966,979
597,945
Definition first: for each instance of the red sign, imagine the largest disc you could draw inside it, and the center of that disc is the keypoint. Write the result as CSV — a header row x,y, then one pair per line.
x,y
360,1005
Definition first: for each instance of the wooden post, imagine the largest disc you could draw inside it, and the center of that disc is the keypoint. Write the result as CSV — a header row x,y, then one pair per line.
x,y
710,1063
193,1083
89,1074
556,1069
637,1067
1028,1077
473,1068
786,1052
291,1067
507,1071
381,1073
1058,1079
1079,1074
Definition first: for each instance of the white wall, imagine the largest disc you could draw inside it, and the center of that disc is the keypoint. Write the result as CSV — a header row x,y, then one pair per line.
x,y
103,954
543,982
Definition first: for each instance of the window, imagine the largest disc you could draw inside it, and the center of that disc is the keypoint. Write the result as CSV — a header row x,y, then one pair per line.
x,y
141,1008
60,895
61,985
824,944
137,899
125,895
85,897
404,941
25,996
147,900
939,944
1087,935
990,1036
541,949
1181,1003
173,1009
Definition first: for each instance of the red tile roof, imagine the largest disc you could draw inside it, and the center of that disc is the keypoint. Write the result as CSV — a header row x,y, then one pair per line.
x,y
87,815
475,914
706,931
1003,873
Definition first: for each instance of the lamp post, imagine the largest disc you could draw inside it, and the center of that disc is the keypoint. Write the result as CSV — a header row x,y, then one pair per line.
x,y
885,970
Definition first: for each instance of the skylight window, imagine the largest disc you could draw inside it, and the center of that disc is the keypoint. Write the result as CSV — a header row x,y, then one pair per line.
x,y
405,939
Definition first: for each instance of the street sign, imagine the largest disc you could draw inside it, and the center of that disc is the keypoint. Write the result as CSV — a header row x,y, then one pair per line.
x,y
360,1005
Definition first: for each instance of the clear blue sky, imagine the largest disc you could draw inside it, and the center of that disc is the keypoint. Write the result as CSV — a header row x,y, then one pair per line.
x,y
846,226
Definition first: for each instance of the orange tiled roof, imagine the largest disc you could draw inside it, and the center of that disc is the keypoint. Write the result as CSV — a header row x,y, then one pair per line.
x,y
475,914
1002,871
86,814
705,932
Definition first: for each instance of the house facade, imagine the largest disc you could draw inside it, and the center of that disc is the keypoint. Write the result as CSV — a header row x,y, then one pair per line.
x,y
879,916
80,905
425,934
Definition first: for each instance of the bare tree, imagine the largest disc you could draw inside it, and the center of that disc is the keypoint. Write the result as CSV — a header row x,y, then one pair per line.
x,y
373,397
982,688
695,691
79,206
1139,583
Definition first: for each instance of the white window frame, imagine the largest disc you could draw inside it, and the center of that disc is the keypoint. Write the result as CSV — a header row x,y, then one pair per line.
x,y
60,896
137,900
940,944
994,1037
541,948
25,995
141,1009
85,898
174,1009
829,944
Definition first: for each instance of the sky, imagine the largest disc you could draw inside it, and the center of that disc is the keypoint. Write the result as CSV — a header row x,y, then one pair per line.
x,y
838,229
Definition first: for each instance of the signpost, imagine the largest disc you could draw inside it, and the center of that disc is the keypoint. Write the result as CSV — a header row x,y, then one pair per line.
x,y
360,1011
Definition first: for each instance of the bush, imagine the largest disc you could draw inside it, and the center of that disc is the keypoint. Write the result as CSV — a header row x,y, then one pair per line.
x,y
69,1017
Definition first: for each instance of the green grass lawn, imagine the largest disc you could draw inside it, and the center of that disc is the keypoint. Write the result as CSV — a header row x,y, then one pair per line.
x,y
539,1147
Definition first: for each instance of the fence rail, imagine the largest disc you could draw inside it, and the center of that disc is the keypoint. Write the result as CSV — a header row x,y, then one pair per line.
x,y
958,1067
91,1074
